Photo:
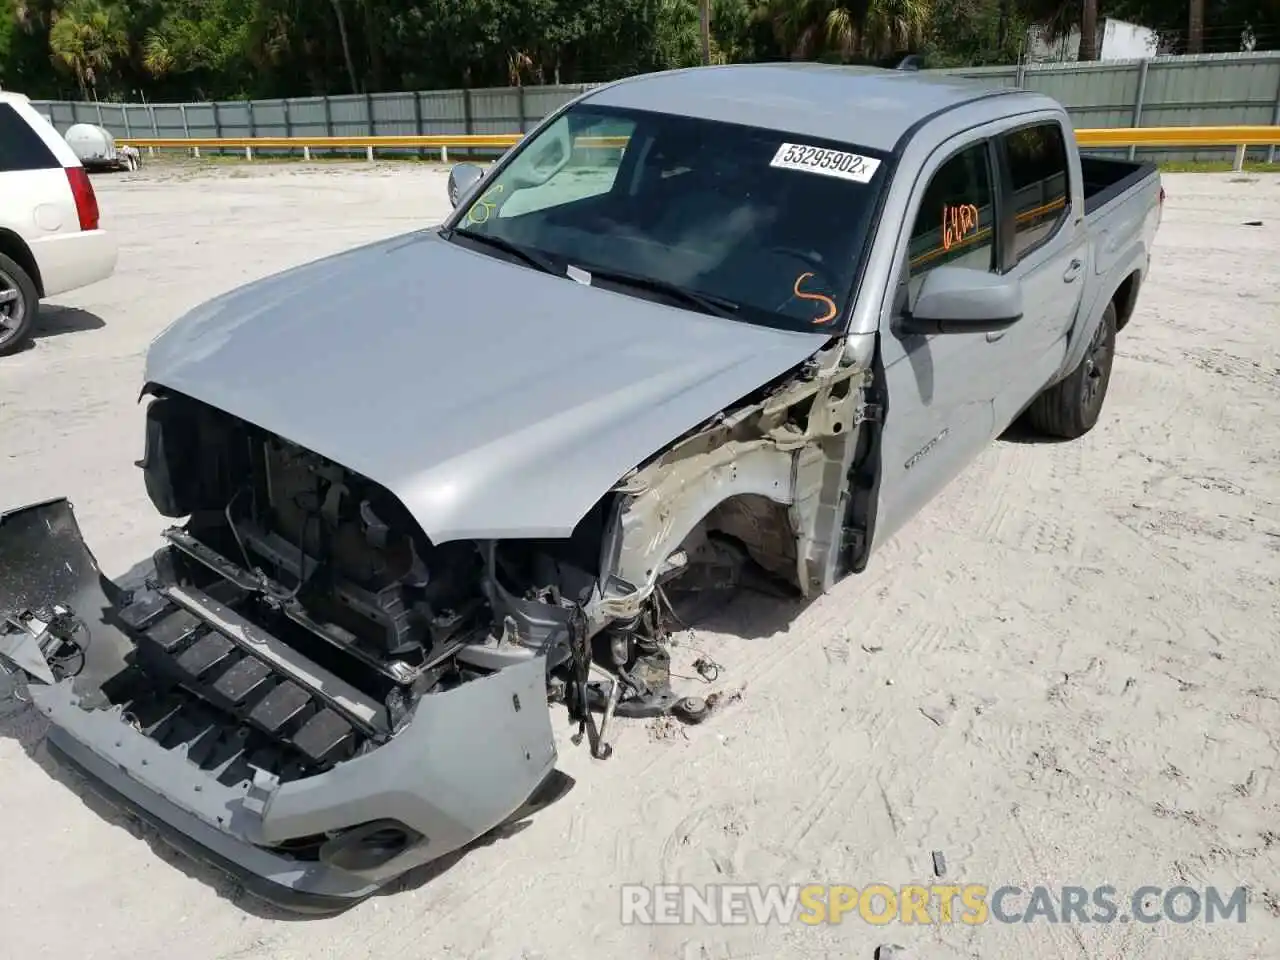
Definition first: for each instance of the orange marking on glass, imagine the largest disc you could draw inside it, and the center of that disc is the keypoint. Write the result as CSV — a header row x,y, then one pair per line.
x,y
832,310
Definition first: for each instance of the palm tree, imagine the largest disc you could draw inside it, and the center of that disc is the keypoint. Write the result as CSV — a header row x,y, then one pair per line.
x,y
704,29
1195,27
892,25
1089,30
86,38
346,45
157,55
812,28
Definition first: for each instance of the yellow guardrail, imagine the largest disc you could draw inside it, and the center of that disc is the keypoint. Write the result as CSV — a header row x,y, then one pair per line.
x,y
1179,137
1240,137
461,141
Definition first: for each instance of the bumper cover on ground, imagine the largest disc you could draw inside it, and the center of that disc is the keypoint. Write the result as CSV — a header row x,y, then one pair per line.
x,y
467,760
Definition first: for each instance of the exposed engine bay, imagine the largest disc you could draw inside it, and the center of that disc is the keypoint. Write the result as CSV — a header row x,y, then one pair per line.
x,y
363,615
331,566
333,569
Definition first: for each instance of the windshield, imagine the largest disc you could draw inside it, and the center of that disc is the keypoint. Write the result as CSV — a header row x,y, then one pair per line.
x,y
755,224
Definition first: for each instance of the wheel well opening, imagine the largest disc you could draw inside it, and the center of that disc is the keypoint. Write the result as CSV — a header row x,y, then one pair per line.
x,y
13,247
764,529
1126,297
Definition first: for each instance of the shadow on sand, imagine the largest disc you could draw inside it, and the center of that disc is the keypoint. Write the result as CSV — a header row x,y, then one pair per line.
x,y
1021,432
53,321
24,724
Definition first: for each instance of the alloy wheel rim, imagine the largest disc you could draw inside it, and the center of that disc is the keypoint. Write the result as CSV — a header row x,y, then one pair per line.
x,y
1096,367
12,308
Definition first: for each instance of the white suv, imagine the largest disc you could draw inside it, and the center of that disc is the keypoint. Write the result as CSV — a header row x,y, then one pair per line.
x,y
50,240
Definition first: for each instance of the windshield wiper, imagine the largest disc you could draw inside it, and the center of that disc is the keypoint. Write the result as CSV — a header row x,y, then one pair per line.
x,y
535,260
715,306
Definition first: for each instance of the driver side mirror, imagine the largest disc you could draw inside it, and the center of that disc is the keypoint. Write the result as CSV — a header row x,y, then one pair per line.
x,y
962,300
462,178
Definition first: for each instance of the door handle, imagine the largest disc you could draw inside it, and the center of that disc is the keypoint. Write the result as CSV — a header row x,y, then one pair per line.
x,y
1073,270
995,335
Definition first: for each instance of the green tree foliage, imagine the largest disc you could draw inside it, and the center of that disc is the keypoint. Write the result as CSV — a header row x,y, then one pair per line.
x,y
974,33
820,29
88,39
204,49
8,26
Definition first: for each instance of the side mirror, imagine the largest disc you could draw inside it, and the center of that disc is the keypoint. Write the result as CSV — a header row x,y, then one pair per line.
x,y
962,300
462,178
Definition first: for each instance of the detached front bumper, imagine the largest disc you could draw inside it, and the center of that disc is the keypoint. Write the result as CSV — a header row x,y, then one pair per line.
x,y
464,763
302,887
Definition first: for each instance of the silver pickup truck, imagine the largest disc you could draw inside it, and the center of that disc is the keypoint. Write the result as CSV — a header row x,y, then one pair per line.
x,y
714,326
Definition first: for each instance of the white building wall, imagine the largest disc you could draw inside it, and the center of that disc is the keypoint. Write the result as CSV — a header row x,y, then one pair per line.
x,y
1117,40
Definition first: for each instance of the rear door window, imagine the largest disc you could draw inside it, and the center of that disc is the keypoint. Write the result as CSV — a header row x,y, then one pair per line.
x,y
1037,159
21,148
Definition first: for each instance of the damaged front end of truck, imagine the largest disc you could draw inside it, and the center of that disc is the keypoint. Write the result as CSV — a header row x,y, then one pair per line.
x,y
197,702
310,692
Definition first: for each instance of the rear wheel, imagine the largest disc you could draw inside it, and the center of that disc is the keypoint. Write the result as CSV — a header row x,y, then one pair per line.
x,y
1070,408
18,302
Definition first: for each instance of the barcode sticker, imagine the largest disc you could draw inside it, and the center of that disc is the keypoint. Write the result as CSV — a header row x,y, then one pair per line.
x,y
829,163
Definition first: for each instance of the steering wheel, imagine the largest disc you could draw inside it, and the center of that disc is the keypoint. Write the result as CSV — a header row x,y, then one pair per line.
x,y
810,258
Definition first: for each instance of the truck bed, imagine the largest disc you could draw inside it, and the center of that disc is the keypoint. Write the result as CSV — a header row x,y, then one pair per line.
x,y
1105,179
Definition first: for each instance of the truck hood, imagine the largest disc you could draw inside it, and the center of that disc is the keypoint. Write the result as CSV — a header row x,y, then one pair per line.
x,y
493,400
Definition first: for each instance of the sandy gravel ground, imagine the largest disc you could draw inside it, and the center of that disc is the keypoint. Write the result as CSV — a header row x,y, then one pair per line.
x,y
1065,671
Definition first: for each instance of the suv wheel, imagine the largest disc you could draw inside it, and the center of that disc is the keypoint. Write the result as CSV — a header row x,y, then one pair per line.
x,y
18,302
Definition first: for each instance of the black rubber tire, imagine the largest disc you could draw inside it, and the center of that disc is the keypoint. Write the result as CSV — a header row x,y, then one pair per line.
x,y
14,338
1071,407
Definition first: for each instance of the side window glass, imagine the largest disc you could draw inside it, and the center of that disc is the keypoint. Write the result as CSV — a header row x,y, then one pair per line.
x,y
1038,171
21,147
955,222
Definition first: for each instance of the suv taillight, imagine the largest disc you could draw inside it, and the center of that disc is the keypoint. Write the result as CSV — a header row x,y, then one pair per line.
x,y
86,199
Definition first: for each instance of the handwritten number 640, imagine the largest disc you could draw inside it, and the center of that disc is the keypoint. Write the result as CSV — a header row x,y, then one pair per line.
x,y
957,223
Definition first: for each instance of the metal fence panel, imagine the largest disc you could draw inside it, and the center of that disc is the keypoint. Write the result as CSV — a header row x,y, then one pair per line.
x,y
496,111
202,120
349,116
309,117
1206,90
